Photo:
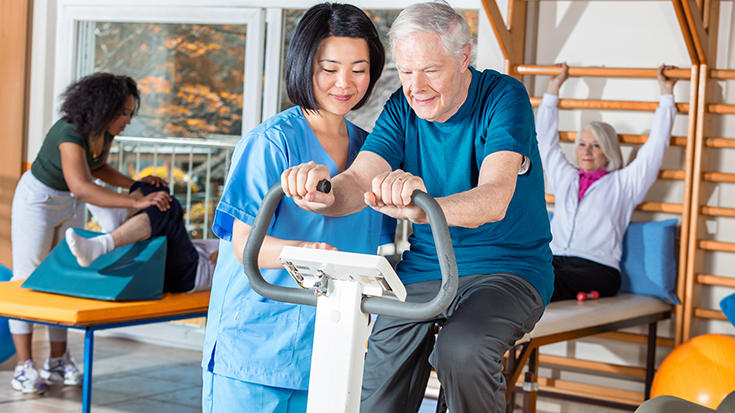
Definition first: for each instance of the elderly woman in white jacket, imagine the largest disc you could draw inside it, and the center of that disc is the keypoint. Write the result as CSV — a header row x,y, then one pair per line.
x,y
595,195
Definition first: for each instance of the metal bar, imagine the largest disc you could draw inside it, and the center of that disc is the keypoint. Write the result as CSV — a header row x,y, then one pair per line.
x,y
188,188
155,159
180,141
601,71
207,195
87,379
650,358
172,177
137,161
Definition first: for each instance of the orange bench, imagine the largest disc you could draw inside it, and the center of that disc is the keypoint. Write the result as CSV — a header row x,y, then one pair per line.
x,y
92,315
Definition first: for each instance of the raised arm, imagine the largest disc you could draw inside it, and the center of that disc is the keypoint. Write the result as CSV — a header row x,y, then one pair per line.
x,y
640,175
547,130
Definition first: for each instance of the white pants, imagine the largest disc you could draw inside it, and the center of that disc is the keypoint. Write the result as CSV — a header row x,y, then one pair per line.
x,y
40,217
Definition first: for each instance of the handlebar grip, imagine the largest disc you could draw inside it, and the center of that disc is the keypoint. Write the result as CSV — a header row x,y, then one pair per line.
x,y
324,186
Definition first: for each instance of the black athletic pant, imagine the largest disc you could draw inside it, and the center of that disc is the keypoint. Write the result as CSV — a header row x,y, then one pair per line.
x,y
573,275
182,258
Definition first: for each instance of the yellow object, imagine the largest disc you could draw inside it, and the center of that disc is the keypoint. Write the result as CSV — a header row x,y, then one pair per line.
x,y
29,305
701,370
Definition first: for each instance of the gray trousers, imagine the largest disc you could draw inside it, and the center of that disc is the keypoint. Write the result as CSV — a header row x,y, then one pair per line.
x,y
489,314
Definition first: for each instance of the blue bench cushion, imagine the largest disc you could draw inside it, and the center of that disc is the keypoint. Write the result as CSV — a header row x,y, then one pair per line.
x,y
728,307
7,348
648,265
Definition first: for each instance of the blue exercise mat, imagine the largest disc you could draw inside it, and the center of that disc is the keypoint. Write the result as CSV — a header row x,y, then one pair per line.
x,y
131,273
7,348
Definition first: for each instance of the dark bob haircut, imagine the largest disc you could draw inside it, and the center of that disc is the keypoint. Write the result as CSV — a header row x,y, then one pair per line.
x,y
96,100
320,22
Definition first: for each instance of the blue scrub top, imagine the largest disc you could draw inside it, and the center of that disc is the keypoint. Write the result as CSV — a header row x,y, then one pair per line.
x,y
248,337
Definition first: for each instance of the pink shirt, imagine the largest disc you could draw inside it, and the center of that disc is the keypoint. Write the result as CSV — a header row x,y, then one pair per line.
x,y
587,179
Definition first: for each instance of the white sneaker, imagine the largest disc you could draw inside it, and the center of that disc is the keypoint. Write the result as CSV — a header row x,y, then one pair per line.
x,y
27,380
62,370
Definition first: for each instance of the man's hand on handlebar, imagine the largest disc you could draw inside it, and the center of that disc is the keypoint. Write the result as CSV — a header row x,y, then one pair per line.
x,y
391,195
300,183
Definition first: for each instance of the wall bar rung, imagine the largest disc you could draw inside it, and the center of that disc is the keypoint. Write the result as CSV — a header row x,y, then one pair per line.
x,y
707,245
633,139
661,207
671,174
645,206
722,74
721,109
723,143
593,365
709,314
641,339
718,212
588,390
708,279
718,177
613,104
600,71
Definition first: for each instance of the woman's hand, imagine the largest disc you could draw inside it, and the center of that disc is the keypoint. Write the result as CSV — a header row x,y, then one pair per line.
x,y
153,180
317,246
391,195
666,83
160,199
556,81
300,182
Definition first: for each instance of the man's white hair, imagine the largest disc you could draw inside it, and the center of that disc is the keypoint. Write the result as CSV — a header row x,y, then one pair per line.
x,y
436,17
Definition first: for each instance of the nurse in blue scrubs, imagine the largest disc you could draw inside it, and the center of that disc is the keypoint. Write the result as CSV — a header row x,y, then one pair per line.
x,y
257,352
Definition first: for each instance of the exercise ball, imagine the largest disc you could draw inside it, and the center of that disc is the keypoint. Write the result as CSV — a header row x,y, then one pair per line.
x,y
7,349
701,370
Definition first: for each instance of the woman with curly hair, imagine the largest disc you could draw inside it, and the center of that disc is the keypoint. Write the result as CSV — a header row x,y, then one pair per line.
x,y
51,197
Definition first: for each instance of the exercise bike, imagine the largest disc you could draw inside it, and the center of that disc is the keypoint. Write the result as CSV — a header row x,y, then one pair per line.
x,y
346,288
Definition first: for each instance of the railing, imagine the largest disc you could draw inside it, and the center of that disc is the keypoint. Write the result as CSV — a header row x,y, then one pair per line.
x,y
201,168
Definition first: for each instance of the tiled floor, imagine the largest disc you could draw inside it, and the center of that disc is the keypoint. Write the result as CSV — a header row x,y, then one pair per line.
x,y
140,378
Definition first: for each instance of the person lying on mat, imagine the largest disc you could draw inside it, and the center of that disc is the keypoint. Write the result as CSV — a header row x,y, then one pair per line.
x,y
189,266
51,196
594,195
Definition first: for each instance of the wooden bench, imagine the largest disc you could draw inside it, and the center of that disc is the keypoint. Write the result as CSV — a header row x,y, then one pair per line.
x,y
92,315
569,320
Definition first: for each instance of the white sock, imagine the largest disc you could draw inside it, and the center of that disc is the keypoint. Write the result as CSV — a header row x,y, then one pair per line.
x,y
88,249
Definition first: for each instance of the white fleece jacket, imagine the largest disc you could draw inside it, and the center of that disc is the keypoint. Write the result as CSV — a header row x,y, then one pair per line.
x,y
593,228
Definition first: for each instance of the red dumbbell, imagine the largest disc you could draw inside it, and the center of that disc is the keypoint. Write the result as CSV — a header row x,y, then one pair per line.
x,y
592,295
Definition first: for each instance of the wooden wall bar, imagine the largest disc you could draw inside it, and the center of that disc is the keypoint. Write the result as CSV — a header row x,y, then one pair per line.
x,y
693,35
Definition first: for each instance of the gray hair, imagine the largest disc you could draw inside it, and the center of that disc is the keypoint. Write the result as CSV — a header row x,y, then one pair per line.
x,y
436,17
607,138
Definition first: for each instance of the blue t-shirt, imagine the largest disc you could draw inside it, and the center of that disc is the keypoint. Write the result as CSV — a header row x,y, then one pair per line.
x,y
248,337
496,116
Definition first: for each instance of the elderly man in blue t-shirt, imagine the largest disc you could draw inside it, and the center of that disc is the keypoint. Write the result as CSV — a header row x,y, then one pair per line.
x,y
468,139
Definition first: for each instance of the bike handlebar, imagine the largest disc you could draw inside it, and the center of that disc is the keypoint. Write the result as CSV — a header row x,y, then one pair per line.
x,y
370,305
